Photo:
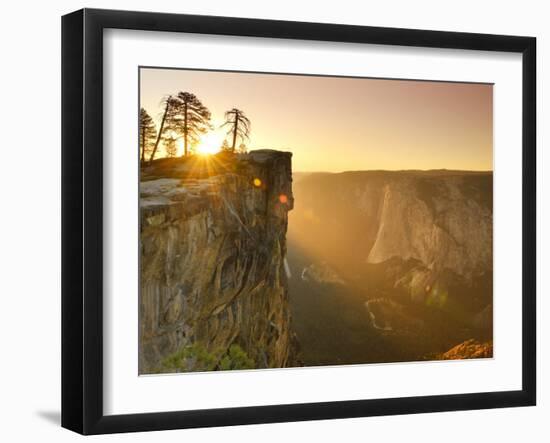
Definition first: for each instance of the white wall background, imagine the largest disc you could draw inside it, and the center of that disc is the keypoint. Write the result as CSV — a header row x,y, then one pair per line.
x,y
30,219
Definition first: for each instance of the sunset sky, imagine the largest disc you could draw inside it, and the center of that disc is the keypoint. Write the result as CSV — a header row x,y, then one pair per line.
x,y
339,124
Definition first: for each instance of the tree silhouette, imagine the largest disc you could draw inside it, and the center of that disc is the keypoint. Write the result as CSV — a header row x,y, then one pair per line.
x,y
190,118
170,146
239,126
242,148
169,108
225,146
147,134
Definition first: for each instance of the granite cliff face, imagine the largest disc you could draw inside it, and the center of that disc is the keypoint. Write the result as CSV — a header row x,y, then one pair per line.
x,y
421,237
431,222
213,250
446,230
442,225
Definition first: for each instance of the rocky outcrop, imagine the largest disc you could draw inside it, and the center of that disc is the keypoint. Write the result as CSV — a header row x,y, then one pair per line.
x,y
321,273
468,349
212,255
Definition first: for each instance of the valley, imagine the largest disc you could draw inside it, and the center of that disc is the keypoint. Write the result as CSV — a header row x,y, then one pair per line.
x,y
358,295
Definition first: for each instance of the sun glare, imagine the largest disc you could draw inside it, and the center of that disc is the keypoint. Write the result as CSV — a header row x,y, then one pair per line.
x,y
210,143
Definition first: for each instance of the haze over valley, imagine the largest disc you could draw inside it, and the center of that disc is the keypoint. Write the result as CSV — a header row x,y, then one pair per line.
x,y
390,266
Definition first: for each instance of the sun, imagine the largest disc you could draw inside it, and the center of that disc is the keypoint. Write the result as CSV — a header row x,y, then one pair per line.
x,y
210,143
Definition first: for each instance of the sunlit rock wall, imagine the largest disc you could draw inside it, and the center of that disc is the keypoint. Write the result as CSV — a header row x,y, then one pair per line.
x,y
212,265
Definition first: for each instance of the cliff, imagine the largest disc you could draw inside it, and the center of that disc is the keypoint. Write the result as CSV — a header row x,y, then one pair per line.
x,y
443,225
213,281
422,230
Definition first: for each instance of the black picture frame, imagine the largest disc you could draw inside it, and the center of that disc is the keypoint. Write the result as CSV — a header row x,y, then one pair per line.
x,y
82,219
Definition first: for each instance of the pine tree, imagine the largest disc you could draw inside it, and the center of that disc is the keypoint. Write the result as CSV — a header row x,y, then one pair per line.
x,y
170,146
225,146
239,126
147,134
190,118
170,104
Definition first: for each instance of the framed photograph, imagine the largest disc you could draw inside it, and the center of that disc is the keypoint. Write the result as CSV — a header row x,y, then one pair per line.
x,y
269,221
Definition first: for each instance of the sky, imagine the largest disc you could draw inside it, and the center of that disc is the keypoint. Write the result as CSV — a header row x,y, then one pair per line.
x,y
337,124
